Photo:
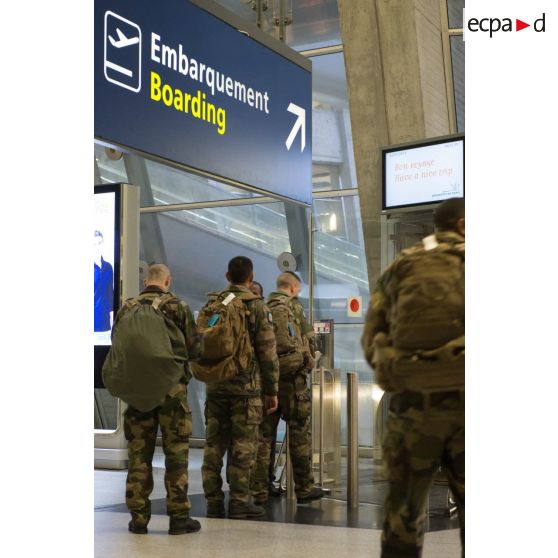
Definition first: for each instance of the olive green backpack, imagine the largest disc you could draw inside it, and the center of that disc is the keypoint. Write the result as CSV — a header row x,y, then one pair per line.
x,y
288,335
147,356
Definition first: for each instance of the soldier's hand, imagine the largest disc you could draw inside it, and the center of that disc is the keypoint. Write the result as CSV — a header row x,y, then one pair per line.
x,y
271,404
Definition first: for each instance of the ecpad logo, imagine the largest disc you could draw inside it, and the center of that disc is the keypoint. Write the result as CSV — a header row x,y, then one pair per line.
x,y
122,61
493,25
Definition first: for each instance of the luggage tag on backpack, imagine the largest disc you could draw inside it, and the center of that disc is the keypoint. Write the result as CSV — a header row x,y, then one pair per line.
x,y
213,320
430,242
291,329
229,297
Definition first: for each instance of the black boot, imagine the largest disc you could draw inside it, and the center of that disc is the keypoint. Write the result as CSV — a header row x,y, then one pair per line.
x,y
215,508
315,494
245,511
183,525
137,528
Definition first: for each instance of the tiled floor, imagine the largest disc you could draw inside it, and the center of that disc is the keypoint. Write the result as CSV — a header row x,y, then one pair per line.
x,y
312,530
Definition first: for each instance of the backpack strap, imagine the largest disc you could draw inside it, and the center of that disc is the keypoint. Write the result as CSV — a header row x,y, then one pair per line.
x,y
220,296
246,297
157,302
131,302
276,301
162,300
250,325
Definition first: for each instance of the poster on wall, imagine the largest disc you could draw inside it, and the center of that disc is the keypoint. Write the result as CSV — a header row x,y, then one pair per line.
x,y
103,265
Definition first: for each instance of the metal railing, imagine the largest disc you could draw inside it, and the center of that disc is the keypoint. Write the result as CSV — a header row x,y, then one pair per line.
x,y
352,439
328,451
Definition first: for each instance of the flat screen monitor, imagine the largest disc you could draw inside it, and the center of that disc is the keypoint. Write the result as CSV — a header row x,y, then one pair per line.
x,y
423,174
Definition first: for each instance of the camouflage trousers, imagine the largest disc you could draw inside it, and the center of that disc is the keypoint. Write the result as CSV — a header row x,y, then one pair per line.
x,y
175,419
424,433
295,408
231,424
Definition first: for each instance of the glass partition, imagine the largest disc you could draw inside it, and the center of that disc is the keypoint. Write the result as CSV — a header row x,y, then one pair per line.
x,y
167,185
340,272
333,161
339,258
197,245
175,186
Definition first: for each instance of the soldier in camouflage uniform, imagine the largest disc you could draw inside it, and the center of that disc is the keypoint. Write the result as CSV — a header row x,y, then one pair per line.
x,y
426,422
295,405
174,418
257,289
233,408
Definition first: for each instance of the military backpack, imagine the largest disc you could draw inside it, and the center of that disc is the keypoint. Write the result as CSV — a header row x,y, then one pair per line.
x,y
227,347
288,335
425,350
429,308
147,356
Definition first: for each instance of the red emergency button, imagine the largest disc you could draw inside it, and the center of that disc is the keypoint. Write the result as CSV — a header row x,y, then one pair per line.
x,y
354,307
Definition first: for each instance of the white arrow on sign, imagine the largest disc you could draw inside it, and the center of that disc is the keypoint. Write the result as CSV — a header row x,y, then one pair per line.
x,y
300,124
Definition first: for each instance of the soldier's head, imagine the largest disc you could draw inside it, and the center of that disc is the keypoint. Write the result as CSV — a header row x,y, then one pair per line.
x,y
158,275
289,282
256,288
240,271
450,216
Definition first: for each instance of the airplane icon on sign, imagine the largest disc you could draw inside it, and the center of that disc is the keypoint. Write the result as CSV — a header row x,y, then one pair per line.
x,y
122,52
123,41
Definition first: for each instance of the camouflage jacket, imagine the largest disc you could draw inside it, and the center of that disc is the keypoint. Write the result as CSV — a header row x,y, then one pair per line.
x,y
179,312
379,317
264,371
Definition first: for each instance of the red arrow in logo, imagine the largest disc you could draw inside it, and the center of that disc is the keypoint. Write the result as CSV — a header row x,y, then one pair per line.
x,y
519,25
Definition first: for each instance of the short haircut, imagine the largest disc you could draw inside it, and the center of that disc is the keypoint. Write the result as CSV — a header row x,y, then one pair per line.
x,y
240,269
157,273
260,286
293,274
448,213
286,279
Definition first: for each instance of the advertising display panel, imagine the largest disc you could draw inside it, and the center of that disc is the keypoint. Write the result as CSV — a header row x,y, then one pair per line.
x,y
423,174
106,231
106,242
177,83
115,230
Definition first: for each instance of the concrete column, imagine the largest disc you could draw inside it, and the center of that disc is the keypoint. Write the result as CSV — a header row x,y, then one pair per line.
x,y
397,91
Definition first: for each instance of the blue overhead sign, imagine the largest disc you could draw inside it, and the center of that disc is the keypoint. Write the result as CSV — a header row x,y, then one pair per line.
x,y
176,82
